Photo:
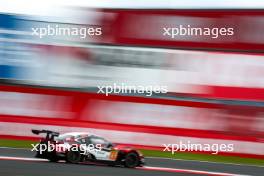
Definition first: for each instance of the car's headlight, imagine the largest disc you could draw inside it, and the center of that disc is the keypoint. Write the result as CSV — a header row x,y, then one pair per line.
x,y
140,153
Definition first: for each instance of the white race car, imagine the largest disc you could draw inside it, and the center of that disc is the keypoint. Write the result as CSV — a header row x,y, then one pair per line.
x,y
80,147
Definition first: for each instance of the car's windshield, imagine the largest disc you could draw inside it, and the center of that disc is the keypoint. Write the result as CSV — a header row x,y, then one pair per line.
x,y
68,137
93,139
99,140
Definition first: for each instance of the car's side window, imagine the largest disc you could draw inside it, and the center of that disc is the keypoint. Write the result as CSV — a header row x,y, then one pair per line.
x,y
97,141
82,140
87,141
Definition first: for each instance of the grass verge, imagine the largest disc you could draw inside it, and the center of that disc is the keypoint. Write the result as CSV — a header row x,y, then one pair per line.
x,y
155,153
204,157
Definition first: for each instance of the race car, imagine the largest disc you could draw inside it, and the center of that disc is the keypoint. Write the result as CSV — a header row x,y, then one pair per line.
x,y
78,147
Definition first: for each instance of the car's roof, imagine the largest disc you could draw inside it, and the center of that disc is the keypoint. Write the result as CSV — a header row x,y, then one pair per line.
x,y
78,134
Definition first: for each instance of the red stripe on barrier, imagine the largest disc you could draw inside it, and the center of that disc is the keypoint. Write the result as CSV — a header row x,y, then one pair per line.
x,y
239,93
121,34
87,95
131,128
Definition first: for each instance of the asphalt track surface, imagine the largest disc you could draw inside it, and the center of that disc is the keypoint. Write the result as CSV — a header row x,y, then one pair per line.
x,y
16,167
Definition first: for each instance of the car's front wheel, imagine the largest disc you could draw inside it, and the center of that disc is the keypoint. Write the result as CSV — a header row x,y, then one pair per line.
x,y
73,157
131,160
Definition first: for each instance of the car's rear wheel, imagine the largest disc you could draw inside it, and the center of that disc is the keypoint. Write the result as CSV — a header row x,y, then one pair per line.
x,y
52,157
73,157
131,160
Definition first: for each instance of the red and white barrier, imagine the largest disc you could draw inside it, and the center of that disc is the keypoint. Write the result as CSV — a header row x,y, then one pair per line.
x,y
139,121
145,28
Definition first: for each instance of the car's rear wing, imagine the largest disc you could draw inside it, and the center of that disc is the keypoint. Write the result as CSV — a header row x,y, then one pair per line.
x,y
49,134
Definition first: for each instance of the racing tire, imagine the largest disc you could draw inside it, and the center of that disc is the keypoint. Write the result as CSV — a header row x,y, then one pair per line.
x,y
38,155
73,157
131,160
52,157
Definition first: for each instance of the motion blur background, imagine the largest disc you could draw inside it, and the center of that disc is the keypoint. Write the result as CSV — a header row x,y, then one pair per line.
x,y
216,86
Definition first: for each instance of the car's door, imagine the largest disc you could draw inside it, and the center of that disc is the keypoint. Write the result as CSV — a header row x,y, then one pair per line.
x,y
100,148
